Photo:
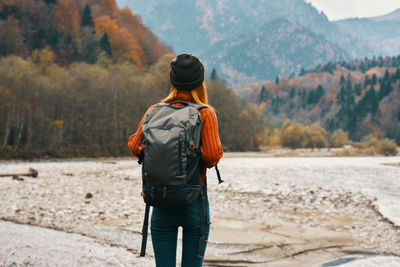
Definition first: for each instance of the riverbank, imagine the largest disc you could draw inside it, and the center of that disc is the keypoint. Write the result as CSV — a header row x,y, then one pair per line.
x,y
347,151
274,223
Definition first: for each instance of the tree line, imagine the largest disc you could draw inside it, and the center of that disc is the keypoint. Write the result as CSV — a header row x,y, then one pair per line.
x,y
91,109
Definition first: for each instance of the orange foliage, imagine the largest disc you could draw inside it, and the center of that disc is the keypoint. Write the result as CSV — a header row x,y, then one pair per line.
x,y
293,83
262,106
125,46
57,123
11,2
66,18
383,108
6,96
377,132
151,46
315,109
111,5
373,71
331,98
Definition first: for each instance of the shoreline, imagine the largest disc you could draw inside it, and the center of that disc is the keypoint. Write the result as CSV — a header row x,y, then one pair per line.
x,y
264,153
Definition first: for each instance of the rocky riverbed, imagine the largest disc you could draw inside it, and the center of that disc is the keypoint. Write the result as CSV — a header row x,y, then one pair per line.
x,y
289,224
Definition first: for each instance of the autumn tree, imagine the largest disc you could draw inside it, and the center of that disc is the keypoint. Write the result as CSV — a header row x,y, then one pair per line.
x,y
66,21
11,39
292,134
339,138
125,46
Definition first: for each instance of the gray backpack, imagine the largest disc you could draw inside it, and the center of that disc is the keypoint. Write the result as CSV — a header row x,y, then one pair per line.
x,y
171,155
170,161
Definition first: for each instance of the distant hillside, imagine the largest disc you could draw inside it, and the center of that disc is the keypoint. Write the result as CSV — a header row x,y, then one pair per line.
x,y
76,30
361,97
220,30
381,33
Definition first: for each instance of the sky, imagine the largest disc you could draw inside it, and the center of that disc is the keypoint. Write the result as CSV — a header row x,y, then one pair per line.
x,y
340,9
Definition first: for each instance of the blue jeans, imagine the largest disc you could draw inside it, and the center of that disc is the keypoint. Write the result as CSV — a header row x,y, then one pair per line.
x,y
164,233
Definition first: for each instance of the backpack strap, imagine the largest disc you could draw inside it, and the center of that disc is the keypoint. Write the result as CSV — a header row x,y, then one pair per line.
x,y
145,231
203,224
218,175
194,105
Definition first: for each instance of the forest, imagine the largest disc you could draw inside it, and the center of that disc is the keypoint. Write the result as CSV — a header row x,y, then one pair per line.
x,y
361,97
91,109
77,82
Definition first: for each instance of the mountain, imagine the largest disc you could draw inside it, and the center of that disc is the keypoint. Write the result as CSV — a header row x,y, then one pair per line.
x,y
394,16
361,97
74,30
220,30
381,33
270,50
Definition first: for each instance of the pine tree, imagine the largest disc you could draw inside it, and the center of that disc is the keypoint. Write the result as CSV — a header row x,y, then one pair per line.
x,y
277,79
341,96
87,19
311,97
349,88
292,92
105,44
263,94
357,89
397,75
366,81
213,75
319,92
362,67
374,80
342,80
380,64
387,76
386,89
372,100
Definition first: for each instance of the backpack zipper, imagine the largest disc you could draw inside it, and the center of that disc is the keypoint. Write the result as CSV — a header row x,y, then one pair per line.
x,y
180,152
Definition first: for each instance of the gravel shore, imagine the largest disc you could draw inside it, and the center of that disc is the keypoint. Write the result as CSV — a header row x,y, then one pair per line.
x,y
100,201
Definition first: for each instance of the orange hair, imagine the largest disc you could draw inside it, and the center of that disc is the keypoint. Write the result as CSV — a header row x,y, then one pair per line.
x,y
199,95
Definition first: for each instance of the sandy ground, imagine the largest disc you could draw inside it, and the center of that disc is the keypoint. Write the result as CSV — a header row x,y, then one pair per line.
x,y
284,228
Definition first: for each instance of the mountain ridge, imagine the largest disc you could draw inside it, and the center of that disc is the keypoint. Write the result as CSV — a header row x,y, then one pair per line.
x,y
203,25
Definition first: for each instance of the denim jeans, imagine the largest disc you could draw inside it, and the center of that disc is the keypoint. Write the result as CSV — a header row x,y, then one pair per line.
x,y
164,232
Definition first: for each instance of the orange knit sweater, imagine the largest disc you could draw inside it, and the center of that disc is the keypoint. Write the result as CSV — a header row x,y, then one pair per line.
x,y
211,150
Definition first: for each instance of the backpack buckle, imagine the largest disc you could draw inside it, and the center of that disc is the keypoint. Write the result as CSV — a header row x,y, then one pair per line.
x,y
192,147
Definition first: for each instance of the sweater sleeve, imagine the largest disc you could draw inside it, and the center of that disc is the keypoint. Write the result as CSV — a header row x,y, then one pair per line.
x,y
134,139
211,150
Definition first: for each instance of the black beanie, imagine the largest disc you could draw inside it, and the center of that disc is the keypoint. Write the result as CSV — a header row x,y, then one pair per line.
x,y
187,72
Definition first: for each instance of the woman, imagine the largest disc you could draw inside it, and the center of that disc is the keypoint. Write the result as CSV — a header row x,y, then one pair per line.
x,y
187,79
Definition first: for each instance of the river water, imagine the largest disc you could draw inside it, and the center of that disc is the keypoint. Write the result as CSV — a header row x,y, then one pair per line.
x,y
368,175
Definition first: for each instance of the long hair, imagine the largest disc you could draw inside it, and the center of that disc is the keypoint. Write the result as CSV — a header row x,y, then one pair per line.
x,y
199,95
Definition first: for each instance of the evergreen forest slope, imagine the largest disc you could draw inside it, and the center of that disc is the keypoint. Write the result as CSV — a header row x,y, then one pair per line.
x,y
361,97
